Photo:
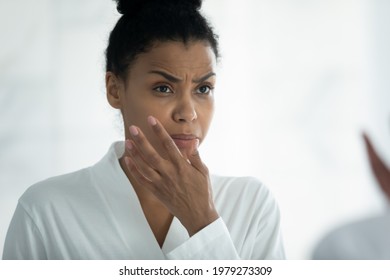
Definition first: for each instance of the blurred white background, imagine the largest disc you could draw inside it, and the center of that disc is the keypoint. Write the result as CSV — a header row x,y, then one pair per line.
x,y
298,82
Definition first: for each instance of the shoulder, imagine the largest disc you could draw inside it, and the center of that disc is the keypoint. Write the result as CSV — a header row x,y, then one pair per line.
x,y
367,228
56,189
354,240
80,189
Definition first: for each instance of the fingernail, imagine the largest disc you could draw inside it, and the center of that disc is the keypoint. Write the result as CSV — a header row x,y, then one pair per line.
x,y
129,145
133,130
152,121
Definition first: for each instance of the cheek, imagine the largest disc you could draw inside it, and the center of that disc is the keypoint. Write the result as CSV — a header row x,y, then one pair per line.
x,y
206,114
138,108
209,110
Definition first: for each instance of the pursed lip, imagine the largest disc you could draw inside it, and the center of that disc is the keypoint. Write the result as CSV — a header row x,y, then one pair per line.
x,y
183,136
185,141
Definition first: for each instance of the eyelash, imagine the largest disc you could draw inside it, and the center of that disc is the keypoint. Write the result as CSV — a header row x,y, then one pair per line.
x,y
156,89
210,89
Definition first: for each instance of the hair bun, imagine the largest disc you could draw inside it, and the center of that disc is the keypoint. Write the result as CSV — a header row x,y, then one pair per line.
x,y
132,6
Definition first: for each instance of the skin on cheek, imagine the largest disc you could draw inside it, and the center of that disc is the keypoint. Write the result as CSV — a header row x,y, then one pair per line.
x,y
136,113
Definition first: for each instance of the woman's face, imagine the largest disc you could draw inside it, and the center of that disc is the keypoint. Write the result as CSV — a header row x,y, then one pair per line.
x,y
172,82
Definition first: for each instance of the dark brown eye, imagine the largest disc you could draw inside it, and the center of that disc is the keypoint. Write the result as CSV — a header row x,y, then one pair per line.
x,y
163,89
204,90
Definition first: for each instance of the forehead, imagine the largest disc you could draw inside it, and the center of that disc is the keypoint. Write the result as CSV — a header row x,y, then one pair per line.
x,y
177,57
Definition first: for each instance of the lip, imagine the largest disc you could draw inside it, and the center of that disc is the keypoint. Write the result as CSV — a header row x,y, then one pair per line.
x,y
185,141
183,136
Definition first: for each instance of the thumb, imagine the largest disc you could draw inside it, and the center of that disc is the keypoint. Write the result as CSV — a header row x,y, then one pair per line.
x,y
194,157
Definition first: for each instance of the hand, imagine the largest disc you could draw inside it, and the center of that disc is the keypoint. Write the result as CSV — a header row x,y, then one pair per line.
x,y
182,185
382,173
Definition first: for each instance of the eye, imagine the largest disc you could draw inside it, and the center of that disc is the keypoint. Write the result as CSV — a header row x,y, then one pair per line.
x,y
163,89
206,89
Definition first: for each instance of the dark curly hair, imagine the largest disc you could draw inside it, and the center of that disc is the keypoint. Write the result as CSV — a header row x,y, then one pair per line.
x,y
145,22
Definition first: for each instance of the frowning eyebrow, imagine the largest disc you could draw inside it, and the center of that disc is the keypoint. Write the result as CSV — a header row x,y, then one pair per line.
x,y
204,78
175,79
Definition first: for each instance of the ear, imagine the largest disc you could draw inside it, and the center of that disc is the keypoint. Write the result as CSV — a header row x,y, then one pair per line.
x,y
114,86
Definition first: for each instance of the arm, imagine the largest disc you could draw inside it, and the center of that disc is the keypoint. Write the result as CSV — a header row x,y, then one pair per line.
x,y
254,229
181,184
269,241
23,240
184,187
211,243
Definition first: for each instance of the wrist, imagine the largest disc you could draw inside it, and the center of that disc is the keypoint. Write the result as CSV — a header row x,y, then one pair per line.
x,y
198,224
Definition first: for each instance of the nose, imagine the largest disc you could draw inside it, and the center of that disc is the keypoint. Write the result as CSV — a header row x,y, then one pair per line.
x,y
185,110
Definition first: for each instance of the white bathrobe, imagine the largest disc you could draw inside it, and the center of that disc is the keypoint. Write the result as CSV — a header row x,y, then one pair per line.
x,y
94,213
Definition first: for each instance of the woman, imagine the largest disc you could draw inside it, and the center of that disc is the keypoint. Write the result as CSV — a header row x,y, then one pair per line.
x,y
151,197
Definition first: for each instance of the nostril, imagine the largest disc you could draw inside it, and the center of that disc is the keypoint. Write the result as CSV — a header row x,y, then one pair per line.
x,y
185,117
182,120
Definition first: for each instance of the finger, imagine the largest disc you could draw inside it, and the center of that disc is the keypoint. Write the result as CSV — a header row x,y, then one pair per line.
x,y
370,149
382,173
142,167
172,150
195,160
135,172
139,178
375,161
150,155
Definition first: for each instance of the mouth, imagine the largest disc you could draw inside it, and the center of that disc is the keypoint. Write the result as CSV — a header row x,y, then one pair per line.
x,y
185,141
